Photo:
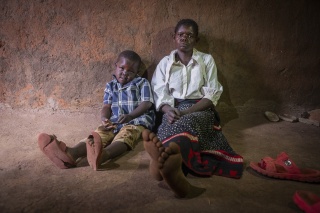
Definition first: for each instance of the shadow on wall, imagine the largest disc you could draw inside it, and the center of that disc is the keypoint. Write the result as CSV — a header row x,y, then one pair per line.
x,y
239,73
228,111
162,45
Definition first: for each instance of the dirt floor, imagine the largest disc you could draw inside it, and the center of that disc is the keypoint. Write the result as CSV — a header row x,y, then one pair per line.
x,y
31,183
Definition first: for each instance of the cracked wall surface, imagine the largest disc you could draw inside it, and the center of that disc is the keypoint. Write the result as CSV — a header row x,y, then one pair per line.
x,y
59,54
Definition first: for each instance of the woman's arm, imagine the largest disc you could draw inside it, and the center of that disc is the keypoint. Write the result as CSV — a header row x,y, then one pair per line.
x,y
202,105
212,89
173,114
159,86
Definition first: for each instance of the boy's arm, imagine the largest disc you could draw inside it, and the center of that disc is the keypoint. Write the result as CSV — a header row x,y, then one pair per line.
x,y
105,116
142,108
105,112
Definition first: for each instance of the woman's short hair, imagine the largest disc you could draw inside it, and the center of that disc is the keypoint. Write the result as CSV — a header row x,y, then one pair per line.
x,y
187,22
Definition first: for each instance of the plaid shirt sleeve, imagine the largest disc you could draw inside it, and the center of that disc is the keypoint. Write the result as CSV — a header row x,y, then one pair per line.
x,y
107,98
145,91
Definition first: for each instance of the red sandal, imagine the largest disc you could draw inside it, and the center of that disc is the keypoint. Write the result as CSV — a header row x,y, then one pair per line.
x,y
307,201
284,168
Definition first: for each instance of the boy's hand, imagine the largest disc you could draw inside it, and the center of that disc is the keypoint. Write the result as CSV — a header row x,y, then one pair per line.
x,y
125,118
108,125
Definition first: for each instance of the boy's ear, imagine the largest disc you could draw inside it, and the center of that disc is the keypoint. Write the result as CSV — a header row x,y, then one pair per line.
x,y
142,69
140,72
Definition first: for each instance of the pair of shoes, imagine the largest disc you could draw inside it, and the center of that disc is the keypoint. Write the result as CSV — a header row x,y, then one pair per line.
x,y
284,168
307,201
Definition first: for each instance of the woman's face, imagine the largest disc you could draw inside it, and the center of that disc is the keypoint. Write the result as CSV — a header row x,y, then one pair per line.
x,y
185,38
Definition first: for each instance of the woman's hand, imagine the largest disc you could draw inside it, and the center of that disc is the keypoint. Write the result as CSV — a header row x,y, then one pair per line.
x,y
173,115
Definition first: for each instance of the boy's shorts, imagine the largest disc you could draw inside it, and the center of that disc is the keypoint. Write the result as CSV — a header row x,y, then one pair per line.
x,y
129,134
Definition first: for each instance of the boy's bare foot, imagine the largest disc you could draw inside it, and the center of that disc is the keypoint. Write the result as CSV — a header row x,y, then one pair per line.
x,y
154,147
94,150
56,151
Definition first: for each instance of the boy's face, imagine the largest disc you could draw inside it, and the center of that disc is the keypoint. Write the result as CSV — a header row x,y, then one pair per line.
x,y
126,70
185,38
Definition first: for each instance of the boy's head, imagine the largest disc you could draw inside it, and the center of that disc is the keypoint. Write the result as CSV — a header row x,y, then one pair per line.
x,y
127,66
186,35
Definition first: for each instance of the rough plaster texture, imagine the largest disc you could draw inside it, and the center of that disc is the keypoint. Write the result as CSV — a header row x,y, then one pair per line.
x,y
59,54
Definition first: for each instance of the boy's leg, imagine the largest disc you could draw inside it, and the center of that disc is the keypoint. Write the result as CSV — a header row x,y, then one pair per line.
x,y
125,140
94,144
115,149
79,150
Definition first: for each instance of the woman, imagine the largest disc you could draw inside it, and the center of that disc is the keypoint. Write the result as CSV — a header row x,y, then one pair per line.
x,y
186,91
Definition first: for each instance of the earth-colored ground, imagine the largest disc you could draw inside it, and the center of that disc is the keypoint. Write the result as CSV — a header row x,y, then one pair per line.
x,y
31,183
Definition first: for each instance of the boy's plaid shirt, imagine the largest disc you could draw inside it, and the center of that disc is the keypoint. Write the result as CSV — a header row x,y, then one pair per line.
x,y
124,99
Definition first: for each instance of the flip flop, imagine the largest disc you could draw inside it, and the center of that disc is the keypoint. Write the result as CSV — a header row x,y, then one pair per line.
x,y
94,151
271,116
55,150
284,168
307,201
289,118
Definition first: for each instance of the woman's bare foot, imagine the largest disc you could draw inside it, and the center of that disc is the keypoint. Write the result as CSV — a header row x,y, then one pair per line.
x,y
166,164
154,147
171,171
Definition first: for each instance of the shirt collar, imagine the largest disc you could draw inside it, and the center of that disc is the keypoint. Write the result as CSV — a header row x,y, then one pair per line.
x,y
195,55
135,80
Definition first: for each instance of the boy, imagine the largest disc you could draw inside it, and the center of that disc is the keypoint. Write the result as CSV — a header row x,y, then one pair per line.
x,y
126,112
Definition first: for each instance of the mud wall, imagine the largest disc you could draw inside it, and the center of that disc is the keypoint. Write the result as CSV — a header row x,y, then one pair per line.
x,y
59,54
